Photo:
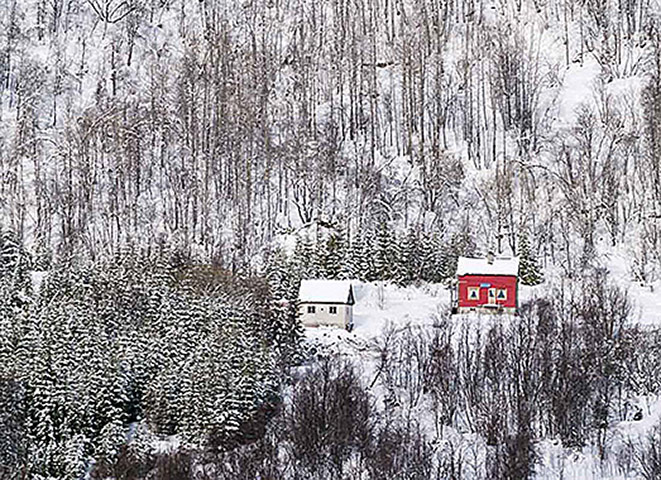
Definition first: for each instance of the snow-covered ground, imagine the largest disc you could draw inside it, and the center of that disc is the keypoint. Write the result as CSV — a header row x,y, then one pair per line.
x,y
382,306
645,296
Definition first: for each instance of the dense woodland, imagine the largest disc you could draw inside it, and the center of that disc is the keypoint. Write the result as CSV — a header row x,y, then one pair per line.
x,y
140,339
215,126
177,166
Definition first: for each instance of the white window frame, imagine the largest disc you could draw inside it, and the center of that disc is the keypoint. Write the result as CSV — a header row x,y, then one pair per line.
x,y
472,290
312,309
503,290
492,295
332,310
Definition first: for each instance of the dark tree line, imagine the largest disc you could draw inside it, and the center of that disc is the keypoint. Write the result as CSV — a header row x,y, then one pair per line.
x,y
383,254
147,341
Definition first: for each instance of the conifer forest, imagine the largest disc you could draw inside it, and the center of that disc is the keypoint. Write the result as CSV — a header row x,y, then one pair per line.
x,y
171,170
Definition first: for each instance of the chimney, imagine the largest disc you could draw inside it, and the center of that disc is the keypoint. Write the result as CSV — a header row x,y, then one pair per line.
x,y
490,257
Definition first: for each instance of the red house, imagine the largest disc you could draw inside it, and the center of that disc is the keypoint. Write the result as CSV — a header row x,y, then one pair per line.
x,y
487,285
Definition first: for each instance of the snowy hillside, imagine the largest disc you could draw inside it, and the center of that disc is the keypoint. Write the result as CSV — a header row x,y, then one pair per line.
x,y
171,170
218,126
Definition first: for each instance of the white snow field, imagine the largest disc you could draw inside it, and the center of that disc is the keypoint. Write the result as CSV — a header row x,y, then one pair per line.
x,y
381,306
645,296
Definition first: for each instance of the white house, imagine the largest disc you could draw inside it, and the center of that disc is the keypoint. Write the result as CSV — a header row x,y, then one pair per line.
x,y
326,303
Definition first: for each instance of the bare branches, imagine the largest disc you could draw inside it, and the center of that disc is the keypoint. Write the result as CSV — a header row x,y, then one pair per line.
x,y
111,11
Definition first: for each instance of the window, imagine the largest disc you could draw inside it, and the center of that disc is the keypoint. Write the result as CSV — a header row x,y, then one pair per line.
x,y
473,293
332,310
492,295
311,309
502,294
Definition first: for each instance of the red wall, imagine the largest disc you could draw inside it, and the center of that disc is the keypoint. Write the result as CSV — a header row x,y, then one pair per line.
x,y
506,282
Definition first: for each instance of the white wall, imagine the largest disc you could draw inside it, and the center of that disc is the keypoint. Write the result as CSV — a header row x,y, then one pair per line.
x,y
322,317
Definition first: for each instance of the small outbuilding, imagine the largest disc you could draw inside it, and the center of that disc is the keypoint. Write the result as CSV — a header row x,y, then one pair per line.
x,y
487,285
326,303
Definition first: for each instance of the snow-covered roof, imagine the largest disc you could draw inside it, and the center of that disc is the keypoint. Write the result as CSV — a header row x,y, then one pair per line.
x,y
326,291
481,266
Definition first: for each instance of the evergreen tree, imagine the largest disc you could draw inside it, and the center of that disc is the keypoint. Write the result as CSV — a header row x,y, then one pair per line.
x,y
399,273
432,253
410,261
13,423
384,253
530,272
14,261
75,450
286,331
10,326
281,275
318,259
304,254
334,256
359,260
42,257
448,256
